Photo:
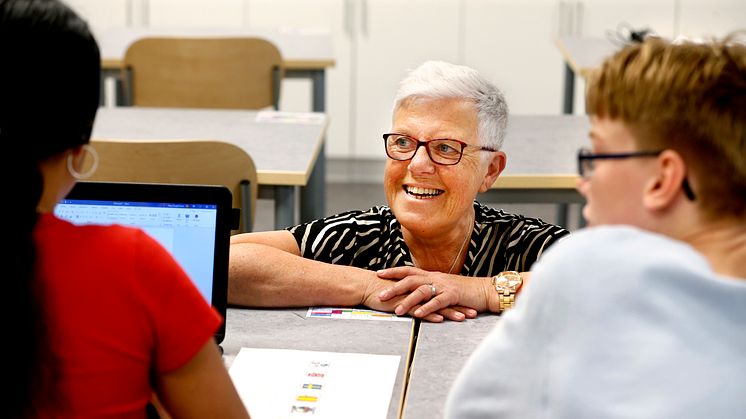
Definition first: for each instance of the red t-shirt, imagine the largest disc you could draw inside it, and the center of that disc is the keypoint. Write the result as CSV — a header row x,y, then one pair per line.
x,y
119,307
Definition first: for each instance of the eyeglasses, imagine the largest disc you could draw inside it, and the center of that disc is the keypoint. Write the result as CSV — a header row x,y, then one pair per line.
x,y
586,166
586,159
441,151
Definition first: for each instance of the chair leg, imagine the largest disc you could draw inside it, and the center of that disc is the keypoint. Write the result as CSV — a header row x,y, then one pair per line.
x,y
245,188
276,87
125,88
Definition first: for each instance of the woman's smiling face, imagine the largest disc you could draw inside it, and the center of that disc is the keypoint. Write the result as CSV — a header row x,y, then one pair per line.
x,y
425,196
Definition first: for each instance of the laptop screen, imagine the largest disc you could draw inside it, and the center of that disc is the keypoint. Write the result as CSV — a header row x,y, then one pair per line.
x,y
191,222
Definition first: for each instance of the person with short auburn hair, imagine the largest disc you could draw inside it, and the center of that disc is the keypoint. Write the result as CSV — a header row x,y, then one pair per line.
x,y
643,313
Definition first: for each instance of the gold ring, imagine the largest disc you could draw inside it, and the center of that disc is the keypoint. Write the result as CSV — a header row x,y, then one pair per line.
x,y
433,290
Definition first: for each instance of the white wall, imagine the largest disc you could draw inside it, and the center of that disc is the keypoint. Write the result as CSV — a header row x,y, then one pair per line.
x,y
376,41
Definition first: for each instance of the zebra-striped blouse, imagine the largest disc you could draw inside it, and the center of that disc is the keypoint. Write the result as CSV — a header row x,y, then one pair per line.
x,y
373,240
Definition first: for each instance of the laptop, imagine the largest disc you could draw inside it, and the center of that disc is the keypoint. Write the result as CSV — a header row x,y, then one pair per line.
x,y
193,222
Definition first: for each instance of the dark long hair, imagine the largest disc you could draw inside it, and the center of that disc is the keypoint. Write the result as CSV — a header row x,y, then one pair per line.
x,y
49,94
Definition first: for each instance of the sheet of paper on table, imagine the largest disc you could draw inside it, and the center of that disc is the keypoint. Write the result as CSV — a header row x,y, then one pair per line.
x,y
349,313
285,383
290,117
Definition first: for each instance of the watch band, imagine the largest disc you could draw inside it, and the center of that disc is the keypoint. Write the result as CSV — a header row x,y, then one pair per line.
x,y
506,301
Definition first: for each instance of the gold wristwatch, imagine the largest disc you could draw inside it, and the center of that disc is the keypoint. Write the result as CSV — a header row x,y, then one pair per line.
x,y
507,284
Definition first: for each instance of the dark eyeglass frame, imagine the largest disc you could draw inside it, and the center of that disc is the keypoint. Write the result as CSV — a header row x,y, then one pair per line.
x,y
426,144
586,158
585,155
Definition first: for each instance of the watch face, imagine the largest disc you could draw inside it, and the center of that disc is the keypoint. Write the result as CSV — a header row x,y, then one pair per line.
x,y
508,281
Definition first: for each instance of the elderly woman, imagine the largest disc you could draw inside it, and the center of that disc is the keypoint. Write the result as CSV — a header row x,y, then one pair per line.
x,y
447,251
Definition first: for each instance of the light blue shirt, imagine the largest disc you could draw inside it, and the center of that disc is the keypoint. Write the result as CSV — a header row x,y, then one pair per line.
x,y
615,323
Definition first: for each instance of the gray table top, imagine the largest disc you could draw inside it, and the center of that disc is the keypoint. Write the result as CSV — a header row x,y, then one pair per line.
x,y
291,329
544,144
541,151
284,150
441,351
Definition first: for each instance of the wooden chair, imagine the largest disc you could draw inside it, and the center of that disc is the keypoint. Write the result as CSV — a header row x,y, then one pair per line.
x,y
232,73
184,162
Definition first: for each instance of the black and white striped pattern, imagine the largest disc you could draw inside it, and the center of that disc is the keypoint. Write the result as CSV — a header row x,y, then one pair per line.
x,y
373,240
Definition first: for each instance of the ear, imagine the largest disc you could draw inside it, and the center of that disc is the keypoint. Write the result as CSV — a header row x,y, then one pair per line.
x,y
665,187
78,156
494,168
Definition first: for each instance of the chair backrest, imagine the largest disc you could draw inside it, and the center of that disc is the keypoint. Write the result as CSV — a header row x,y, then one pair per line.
x,y
231,73
181,161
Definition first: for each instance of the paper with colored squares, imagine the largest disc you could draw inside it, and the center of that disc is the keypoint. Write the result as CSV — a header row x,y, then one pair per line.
x,y
353,314
289,384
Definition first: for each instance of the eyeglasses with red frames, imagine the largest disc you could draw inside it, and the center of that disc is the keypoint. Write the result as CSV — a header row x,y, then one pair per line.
x,y
586,165
442,151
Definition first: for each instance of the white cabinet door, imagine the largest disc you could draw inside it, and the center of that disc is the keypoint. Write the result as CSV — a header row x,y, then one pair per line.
x,y
391,37
375,42
322,14
194,13
103,15
331,16
706,18
613,20
601,18
511,42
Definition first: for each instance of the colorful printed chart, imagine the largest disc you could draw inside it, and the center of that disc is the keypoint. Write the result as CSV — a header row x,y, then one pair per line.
x,y
353,314
290,384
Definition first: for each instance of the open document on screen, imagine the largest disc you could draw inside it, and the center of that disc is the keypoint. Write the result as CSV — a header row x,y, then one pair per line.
x,y
185,230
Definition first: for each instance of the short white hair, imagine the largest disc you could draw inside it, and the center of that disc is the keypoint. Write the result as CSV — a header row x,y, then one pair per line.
x,y
442,80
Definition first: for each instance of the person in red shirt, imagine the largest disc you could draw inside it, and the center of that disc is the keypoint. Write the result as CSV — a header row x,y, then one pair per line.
x,y
103,317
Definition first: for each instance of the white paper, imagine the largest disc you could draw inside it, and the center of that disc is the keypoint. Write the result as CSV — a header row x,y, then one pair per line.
x,y
290,117
285,383
348,313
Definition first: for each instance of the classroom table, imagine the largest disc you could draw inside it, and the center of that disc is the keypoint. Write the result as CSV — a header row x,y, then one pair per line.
x,y
285,146
440,353
542,161
291,329
582,55
305,53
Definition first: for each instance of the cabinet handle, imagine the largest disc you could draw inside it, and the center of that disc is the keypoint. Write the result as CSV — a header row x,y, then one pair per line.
x,y
128,13
146,13
564,17
347,18
364,17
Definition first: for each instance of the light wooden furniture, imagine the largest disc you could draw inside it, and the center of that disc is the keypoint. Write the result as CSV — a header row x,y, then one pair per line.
x,y
304,55
286,147
184,162
230,73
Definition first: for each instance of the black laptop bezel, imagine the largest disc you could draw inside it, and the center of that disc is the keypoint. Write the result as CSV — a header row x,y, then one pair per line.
x,y
182,194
